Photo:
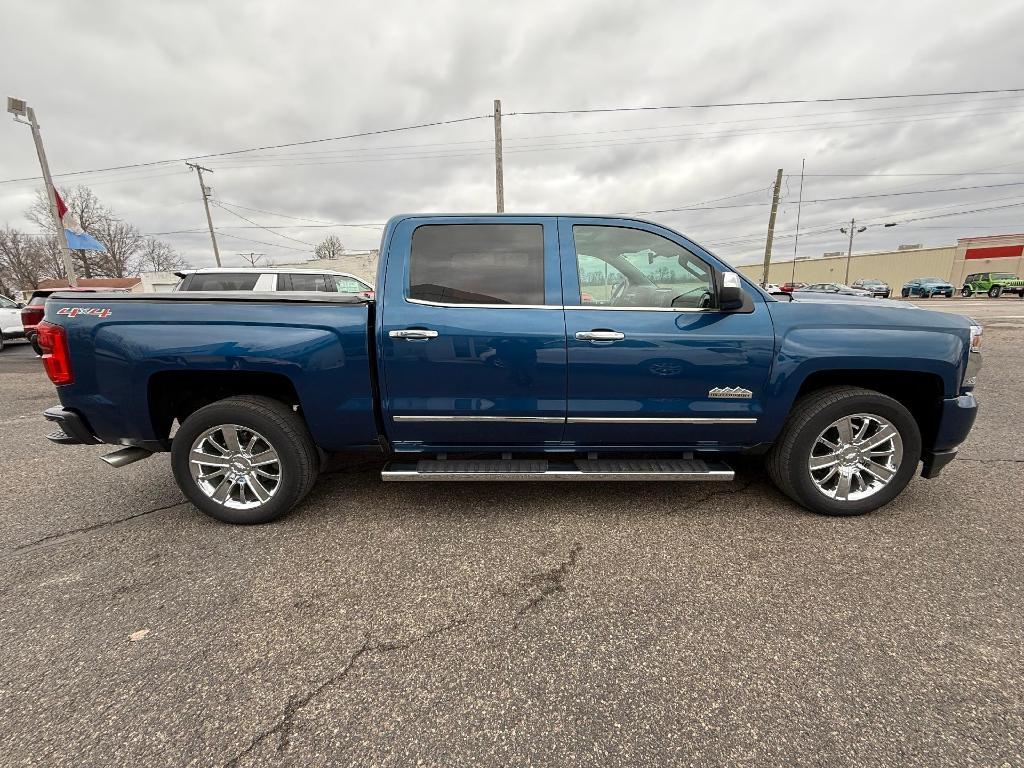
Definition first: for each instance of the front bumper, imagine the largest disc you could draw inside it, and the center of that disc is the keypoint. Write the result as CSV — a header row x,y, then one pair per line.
x,y
955,422
72,428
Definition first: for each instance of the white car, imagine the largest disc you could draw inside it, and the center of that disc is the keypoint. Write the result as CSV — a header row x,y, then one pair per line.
x,y
772,288
269,279
10,320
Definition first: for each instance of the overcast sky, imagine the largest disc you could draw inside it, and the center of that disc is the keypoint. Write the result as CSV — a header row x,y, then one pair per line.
x,y
117,83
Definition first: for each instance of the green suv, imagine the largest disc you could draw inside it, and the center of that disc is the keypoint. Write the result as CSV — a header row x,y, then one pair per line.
x,y
995,284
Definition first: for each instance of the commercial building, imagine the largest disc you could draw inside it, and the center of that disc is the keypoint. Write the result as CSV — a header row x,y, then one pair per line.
x,y
995,253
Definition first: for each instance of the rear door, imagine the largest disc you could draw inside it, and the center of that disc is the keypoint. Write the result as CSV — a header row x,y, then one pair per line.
x,y
472,334
651,359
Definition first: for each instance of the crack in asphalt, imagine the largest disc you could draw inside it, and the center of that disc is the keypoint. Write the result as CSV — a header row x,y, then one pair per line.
x,y
60,538
549,582
993,461
537,588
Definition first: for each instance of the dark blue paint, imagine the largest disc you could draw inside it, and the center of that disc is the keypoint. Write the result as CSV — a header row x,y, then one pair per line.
x,y
508,361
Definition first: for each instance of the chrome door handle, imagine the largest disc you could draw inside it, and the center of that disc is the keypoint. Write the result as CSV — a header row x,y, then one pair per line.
x,y
599,336
413,333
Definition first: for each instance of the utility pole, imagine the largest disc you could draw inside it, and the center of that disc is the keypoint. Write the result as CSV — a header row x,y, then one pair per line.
x,y
799,205
849,250
205,191
499,176
771,228
251,257
18,107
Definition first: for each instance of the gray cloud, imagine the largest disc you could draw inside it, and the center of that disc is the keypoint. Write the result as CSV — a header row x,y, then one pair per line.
x,y
116,82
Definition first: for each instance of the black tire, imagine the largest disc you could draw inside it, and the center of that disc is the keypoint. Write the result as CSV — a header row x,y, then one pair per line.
x,y
905,294
995,291
34,341
1,342
281,427
787,462
966,292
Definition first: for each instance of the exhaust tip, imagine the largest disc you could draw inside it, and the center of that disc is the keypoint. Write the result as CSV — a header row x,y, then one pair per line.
x,y
124,456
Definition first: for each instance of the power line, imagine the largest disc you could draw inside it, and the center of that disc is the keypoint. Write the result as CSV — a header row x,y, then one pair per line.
x,y
260,226
296,218
774,102
361,134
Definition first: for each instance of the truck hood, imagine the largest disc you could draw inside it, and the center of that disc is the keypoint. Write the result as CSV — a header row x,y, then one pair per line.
x,y
832,298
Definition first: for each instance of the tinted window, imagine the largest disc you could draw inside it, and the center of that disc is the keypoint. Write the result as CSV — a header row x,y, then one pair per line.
x,y
223,281
623,267
301,282
477,264
7,303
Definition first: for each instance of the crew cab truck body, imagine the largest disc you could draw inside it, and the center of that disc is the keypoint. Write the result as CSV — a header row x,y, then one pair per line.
x,y
507,347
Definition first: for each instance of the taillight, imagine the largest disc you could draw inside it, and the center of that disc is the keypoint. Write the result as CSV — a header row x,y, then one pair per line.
x,y
53,340
32,315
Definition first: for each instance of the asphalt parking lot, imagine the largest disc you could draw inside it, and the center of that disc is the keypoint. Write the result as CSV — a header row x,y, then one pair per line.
x,y
407,624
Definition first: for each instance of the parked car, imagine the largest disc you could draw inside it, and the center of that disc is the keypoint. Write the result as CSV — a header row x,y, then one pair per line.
x,y
926,287
874,287
480,344
839,288
10,320
32,312
261,279
790,287
772,288
995,284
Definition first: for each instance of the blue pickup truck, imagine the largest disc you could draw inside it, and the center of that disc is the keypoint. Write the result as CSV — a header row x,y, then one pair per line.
x,y
508,347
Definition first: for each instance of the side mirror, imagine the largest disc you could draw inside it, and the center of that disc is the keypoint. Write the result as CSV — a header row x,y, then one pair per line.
x,y
730,293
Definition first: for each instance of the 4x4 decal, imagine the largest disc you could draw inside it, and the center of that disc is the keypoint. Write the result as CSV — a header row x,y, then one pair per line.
x,y
93,311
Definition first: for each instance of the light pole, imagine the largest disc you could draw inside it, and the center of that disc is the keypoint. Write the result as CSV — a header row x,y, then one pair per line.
x,y
19,108
853,228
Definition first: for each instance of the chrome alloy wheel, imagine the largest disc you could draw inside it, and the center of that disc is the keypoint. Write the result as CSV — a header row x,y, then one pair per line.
x,y
235,466
855,457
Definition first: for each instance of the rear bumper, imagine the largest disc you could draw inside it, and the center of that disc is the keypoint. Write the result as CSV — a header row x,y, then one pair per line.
x,y
73,428
955,422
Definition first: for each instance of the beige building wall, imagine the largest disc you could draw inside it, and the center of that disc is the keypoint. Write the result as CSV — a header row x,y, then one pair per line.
x,y
894,267
362,264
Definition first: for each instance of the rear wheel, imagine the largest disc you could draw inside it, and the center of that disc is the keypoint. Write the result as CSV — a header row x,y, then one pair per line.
x,y
244,459
995,291
845,451
905,293
966,292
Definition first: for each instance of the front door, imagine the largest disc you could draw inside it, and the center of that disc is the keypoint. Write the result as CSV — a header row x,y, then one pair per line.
x,y
652,361
472,333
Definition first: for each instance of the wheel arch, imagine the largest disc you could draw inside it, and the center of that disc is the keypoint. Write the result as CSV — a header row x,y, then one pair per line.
x,y
175,395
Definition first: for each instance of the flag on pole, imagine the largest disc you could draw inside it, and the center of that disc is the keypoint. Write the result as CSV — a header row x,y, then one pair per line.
x,y
78,239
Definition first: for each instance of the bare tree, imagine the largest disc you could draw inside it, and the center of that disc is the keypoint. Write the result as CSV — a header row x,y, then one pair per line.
x,y
82,203
158,256
124,247
331,248
23,262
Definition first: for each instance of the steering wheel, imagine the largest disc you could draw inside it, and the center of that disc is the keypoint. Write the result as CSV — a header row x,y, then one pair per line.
x,y
617,291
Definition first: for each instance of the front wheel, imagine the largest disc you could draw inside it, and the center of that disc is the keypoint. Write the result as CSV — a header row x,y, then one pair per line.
x,y
905,293
995,291
845,451
245,459
966,292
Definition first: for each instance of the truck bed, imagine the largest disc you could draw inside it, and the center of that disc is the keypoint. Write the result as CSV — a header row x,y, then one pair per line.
x,y
134,355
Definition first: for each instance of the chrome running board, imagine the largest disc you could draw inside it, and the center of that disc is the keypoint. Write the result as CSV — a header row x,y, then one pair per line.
x,y
581,470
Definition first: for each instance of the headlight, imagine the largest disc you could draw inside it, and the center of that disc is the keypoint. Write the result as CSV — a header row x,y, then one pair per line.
x,y
976,333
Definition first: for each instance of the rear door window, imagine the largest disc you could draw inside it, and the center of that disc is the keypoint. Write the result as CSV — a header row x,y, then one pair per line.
x,y
223,281
343,284
299,281
477,264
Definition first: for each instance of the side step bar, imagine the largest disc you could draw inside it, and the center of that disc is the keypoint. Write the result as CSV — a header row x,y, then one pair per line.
x,y
581,470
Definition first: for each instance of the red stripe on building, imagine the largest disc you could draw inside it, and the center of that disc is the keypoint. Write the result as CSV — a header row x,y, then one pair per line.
x,y
995,252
